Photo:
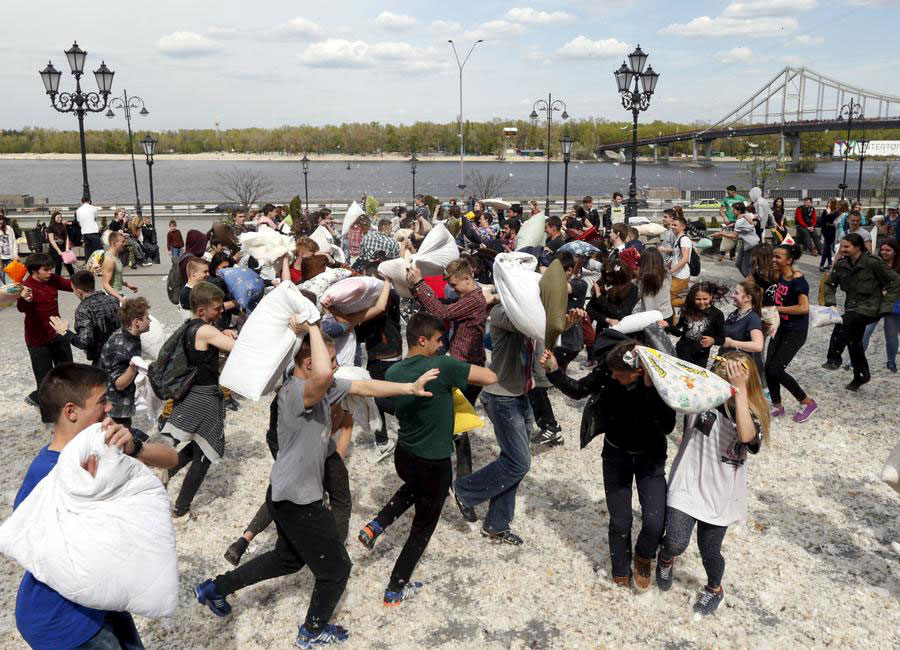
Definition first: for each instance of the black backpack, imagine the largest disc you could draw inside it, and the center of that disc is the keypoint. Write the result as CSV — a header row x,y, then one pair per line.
x,y
693,261
172,375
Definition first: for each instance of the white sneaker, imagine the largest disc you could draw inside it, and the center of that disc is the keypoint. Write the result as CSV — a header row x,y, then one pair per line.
x,y
383,450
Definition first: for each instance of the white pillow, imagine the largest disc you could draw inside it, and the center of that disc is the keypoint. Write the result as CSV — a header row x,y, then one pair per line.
x,y
266,343
104,542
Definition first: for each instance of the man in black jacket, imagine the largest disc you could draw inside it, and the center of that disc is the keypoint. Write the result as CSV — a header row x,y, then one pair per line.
x,y
635,421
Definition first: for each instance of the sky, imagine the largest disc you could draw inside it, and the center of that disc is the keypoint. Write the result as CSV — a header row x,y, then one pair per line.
x,y
274,62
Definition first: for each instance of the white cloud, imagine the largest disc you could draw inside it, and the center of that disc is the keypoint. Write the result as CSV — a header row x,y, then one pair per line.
x,y
671,100
757,8
735,55
535,17
187,44
806,39
447,27
300,27
581,47
341,53
495,29
387,20
706,27
217,31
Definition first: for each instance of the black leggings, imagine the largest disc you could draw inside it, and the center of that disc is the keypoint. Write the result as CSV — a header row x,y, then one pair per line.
x,y
679,527
307,535
620,471
337,486
58,263
190,453
426,484
782,348
377,369
542,409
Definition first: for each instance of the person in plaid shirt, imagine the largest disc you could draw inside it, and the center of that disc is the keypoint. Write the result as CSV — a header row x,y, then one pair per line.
x,y
357,233
96,318
468,316
379,240
116,358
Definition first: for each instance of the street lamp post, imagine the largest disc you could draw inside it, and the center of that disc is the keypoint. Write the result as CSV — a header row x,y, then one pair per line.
x,y
149,145
78,102
863,144
413,163
126,103
565,143
462,124
635,99
305,162
548,106
850,111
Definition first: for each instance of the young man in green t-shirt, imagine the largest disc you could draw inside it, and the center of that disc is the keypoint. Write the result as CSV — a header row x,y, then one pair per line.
x,y
726,213
424,447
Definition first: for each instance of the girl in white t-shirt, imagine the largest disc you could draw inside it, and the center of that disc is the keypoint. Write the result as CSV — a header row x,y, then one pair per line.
x,y
708,479
679,263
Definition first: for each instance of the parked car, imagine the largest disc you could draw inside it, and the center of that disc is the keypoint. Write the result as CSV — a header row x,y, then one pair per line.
x,y
707,203
225,207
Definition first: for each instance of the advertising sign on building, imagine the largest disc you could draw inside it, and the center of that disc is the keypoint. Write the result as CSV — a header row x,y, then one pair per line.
x,y
888,148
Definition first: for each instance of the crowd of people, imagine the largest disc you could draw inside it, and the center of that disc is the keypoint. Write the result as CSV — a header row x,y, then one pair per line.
x,y
747,334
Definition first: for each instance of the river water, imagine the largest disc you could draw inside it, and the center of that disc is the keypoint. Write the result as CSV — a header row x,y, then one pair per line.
x,y
199,181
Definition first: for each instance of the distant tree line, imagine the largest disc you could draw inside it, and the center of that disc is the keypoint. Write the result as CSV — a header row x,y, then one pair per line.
x,y
374,138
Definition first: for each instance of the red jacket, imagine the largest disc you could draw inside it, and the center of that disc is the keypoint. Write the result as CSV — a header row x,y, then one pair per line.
x,y
43,305
804,219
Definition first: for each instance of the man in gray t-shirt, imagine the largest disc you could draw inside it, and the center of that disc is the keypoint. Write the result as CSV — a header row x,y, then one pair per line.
x,y
307,532
304,442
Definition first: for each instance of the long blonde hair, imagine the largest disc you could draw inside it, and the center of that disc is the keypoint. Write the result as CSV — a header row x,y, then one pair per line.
x,y
755,396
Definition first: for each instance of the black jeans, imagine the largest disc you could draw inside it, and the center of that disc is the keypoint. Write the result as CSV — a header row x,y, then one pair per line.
x,y
542,409
709,540
307,535
425,486
337,486
827,248
620,471
190,453
46,357
849,334
92,243
782,348
377,369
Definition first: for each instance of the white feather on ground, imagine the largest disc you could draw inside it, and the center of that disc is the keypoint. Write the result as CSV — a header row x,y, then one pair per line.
x,y
814,565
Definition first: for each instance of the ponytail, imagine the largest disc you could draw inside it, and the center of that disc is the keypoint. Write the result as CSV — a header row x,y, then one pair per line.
x,y
793,250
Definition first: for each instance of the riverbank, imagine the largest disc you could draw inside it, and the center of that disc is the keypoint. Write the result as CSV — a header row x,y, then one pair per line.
x,y
211,156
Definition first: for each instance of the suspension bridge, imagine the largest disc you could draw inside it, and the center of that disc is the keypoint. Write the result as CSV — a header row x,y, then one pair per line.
x,y
795,101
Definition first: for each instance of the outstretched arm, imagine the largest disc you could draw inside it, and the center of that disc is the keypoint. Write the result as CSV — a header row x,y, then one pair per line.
x,y
378,388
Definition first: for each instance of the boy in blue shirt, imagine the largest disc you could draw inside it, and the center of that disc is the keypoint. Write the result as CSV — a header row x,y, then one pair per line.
x,y
73,396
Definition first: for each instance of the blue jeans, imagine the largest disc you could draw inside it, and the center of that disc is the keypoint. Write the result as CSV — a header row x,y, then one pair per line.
x,y
117,633
891,331
498,481
176,254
